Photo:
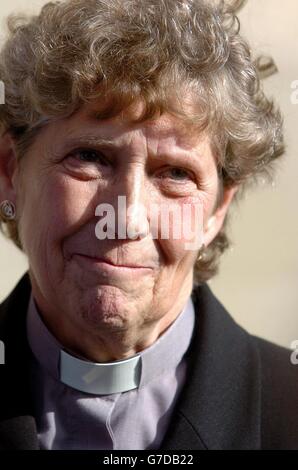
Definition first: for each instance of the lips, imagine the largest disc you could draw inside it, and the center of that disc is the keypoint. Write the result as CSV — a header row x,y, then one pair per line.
x,y
129,264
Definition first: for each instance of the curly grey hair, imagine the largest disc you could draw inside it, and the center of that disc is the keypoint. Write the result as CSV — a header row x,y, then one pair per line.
x,y
77,50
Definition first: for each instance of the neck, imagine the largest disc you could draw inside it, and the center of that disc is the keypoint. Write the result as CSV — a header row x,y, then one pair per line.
x,y
107,344
111,345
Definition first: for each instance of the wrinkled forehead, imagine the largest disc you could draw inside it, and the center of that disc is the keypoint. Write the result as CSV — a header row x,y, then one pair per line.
x,y
166,125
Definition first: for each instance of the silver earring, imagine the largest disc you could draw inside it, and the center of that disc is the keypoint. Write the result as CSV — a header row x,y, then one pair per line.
x,y
8,210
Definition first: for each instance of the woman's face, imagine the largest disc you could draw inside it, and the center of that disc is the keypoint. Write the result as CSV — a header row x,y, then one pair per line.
x,y
79,163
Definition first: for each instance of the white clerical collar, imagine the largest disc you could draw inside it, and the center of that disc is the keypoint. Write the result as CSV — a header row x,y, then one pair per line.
x,y
111,377
100,378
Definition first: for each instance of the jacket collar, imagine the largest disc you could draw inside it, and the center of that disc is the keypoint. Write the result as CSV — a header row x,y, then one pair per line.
x,y
17,424
219,407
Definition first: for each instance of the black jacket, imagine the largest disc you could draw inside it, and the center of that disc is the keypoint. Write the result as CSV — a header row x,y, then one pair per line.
x,y
241,391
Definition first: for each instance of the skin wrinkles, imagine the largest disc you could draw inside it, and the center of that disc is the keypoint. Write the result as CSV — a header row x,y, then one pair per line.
x,y
105,317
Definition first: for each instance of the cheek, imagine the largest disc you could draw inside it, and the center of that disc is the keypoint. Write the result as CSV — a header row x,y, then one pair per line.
x,y
52,210
183,230
209,197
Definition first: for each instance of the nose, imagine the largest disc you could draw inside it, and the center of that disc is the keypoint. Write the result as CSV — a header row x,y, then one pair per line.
x,y
133,218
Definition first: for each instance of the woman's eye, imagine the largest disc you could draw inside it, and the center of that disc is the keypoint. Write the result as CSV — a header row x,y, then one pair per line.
x,y
89,156
178,174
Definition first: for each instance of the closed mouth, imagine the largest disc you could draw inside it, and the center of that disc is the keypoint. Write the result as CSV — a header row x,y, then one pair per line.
x,y
126,265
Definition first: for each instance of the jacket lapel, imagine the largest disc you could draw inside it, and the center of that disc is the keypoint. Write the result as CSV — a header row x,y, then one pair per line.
x,y
219,407
17,424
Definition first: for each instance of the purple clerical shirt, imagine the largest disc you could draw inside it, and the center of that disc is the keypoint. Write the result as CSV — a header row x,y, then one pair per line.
x,y
137,419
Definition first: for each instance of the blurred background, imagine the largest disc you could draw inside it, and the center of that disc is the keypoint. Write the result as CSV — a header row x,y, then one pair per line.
x,y
258,278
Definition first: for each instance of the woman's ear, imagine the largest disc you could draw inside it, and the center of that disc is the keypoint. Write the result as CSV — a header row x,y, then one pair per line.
x,y
216,220
8,168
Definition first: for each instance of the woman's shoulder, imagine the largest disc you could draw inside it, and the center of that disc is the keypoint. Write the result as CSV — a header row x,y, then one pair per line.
x,y
14,307
279,395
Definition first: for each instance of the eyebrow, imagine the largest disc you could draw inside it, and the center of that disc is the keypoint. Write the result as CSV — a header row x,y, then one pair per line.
x,y
89,140
104,143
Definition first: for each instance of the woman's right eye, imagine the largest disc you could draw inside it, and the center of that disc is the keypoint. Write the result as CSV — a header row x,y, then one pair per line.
x,y
89,156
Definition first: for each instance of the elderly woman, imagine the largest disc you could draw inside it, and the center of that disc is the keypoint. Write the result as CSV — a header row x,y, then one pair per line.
x,y
123,121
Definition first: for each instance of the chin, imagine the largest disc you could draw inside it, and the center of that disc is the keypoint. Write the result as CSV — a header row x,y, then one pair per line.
x,y
107,307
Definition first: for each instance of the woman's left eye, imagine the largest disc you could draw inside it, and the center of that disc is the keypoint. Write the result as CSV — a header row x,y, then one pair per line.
x,y
178,174
89,156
